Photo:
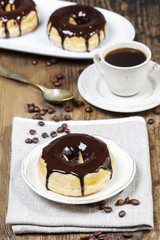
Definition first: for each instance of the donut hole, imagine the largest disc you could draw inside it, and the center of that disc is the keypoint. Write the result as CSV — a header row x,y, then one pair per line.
x,y
78,19
76,155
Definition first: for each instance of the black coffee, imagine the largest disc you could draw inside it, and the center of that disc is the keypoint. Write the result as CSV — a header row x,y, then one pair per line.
x,y
125,57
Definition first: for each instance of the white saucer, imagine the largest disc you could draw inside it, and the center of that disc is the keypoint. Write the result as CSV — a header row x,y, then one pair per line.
x,y
93,89
123,172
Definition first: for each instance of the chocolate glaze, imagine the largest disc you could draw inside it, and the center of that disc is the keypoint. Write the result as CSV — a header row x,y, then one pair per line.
x,y
22,9
89,21
95,154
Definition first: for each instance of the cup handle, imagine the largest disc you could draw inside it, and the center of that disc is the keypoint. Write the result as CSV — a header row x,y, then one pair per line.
x,y
97,62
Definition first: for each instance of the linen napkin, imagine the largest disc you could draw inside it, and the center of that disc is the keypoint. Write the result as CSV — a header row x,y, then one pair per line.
x,y
28,212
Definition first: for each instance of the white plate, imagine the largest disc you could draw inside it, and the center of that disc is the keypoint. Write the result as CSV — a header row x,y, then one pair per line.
x,y
93,89
123,173
119,29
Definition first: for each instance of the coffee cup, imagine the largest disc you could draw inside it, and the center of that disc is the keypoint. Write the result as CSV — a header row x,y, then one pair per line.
x,y
124,67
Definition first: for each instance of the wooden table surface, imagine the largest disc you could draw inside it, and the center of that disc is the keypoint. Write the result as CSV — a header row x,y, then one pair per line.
x,y
145,16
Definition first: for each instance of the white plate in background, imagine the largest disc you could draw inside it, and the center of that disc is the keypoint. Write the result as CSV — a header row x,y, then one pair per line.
x,y
123,173
37,42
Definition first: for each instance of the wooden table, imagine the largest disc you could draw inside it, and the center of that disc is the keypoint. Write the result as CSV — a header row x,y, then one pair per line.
x,y
145,16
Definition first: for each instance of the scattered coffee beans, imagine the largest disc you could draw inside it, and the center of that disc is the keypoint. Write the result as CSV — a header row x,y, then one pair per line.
x,y
101,236
78,103
53,60
31,107
122,213
54,79
64,125
151,121
127,234
32,131
37,117
59,76
67,117
46,108
103,202
88,109
60,129
51,110
42,112
68,109
55,118
66,130
36,109
96,234
28,140
53,134
120,202
35,140
93,205
45,135
40,123
134,202
127,200
34,62
107,209
57,84
48,63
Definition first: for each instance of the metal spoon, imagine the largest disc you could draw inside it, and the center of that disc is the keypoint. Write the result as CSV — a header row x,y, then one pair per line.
x,y
50,95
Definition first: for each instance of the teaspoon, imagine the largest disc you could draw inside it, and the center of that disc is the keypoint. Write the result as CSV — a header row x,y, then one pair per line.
x,y
50,95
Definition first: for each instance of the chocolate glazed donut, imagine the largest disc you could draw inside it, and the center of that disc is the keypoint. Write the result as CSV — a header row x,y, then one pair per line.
x,y
78,21
61,156
13,13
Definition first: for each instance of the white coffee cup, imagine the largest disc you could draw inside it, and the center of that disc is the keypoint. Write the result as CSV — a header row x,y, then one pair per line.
x,y
123,81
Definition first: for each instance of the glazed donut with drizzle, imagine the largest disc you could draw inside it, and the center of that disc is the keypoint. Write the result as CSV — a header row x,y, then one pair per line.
x,y
75,165
17,17
77,28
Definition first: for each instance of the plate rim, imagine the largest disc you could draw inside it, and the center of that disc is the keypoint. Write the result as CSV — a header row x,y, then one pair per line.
x,y
63,53
114,108
70,200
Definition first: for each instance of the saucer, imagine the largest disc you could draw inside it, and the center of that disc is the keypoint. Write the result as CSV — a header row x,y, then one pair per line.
x,y
94,90
123,173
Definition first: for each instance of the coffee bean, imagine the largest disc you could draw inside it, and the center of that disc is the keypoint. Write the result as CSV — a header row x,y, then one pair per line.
x,y
120,202
53,60
127,234
34,62
122,213
103,202
60,129
31,109
53,134
64,125
67,117
68,109
88,109
37,117
40,123
42,112
45,135
107,209
32,131
127,200
36,109
91,238
35,140
96,234
86,237
66,130
55,118
151,121
46,108
79,103
51,110
30,105
101,236
57,84
134,202
54,79
28,140
101,207
59,76
93,204
48,64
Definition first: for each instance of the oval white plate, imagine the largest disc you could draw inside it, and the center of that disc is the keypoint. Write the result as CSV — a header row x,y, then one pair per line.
x,y
119,29
123,172
93,89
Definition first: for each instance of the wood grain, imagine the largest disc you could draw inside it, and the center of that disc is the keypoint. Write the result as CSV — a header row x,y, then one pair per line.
x,y
145,16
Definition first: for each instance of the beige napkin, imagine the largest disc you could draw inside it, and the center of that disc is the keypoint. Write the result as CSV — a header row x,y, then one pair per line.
x,y
29,212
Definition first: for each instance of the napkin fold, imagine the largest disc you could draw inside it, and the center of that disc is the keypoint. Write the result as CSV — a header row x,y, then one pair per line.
x,y
28,212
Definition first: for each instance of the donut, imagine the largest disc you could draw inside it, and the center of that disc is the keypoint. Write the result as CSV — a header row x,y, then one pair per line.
x,y
17,17
77,28
75,165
